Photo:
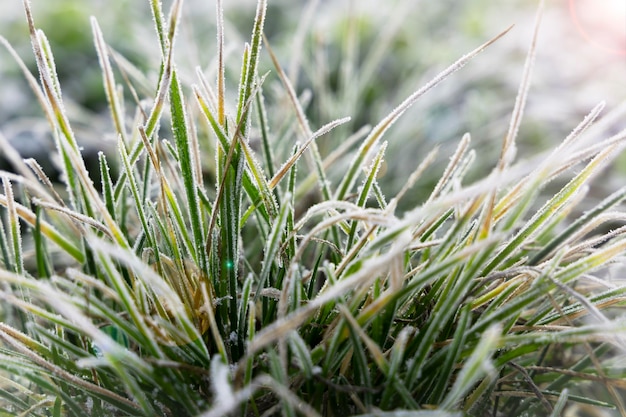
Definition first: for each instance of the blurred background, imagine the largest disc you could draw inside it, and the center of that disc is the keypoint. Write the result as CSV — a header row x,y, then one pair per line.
x,y
357,58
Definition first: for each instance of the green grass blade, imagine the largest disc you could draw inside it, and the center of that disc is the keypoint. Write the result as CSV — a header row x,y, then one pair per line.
x,y
139,203
43,263
395,362
107,184
273,244
302,354
246,89
453,357
188,171
559,407
15,237
477,365
364,193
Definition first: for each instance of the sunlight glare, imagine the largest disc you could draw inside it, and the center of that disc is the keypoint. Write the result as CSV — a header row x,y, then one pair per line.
x,y
601,22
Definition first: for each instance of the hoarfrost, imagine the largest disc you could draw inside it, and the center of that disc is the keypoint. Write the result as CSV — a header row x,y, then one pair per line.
x,y
225,398
89,404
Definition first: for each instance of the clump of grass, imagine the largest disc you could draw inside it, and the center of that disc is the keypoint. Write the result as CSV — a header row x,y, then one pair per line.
x,y
188,285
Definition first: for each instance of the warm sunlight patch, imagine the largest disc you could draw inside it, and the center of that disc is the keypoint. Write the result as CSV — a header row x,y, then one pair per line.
x,y
601,22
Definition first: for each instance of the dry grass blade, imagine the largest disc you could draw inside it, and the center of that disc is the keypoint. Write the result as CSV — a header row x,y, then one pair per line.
x,y
46,228
294,158
78,217
109,81
508,152
452,166
69,146
15,238
303,123
221,85
21,167
32,82
509,148
551,167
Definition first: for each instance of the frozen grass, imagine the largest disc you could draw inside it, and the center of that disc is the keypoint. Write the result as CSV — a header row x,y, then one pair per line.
x,y
192,284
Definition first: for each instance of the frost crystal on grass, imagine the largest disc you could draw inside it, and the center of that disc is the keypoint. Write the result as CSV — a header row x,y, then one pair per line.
x,y
220,382
244,283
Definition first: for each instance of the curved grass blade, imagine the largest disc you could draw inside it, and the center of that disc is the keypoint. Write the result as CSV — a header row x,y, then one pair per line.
x,y
78,382
474,368
549,209
609,202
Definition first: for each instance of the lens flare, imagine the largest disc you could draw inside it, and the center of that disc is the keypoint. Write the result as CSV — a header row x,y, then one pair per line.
x,y
601,22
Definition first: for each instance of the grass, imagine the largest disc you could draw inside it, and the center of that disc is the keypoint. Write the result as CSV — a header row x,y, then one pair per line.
x,y
229,264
